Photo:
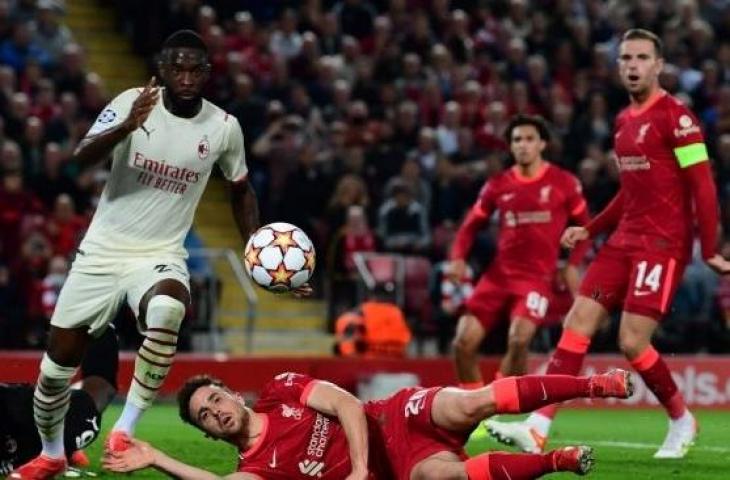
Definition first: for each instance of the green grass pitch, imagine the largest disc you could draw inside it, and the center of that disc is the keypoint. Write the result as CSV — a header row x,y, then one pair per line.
x,y
624,442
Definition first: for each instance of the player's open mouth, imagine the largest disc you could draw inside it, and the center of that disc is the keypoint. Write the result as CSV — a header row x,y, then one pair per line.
x,y
227,420
633,78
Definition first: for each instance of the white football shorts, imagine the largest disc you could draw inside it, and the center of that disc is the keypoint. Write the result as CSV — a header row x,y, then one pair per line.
x,y
97,286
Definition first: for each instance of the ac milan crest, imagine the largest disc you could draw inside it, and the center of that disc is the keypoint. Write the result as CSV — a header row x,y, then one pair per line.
x,y
203,148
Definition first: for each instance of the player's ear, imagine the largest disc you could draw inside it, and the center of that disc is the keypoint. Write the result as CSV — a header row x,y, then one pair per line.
x,y
660,65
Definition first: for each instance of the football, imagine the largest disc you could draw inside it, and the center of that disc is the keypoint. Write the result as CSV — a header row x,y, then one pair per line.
x,y
279,257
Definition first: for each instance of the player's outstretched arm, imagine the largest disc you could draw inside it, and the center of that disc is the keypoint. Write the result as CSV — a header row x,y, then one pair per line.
x,y
141,455
330,399
95,148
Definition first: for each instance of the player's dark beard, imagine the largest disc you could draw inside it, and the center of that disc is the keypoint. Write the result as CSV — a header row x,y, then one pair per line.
x,y
181,107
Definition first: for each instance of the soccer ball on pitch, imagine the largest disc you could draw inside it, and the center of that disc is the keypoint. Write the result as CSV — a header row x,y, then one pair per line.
x,y
279,257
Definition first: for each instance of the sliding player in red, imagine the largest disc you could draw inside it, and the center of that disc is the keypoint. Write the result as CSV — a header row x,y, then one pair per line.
x,y
666,188
302,428
535,200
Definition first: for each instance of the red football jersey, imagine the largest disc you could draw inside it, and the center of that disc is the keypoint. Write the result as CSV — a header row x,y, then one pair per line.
x,y
533,212
652,145
297,442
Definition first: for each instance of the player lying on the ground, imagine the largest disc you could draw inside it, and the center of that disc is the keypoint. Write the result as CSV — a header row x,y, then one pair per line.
x,y
306,428
19,439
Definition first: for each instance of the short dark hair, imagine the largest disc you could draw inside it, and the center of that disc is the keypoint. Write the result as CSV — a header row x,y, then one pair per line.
x,y
186,392
533,120
185,39
643,34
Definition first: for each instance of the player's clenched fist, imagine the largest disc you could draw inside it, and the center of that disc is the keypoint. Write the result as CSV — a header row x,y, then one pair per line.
x,y
573,235
142,106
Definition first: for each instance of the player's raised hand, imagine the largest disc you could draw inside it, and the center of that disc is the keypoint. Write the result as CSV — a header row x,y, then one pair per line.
x,y
719,264
142,106
573,235
139,455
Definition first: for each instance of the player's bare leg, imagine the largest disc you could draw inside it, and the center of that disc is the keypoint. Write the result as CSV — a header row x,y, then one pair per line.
x,y
581,323
504,466
460,410
66,347
521,332
161,312
469,336
635,341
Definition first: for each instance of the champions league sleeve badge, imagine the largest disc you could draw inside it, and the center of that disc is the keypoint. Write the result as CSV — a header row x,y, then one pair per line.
x,y
106,116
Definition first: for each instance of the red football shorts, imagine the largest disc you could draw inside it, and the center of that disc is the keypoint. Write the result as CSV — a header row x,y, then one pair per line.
x,y
407,433
494,300
643,282
560,303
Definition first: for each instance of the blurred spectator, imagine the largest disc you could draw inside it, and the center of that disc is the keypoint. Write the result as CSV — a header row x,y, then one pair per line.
x,y
411,175
17,116
307,189
32,146
21,48
52,181
355,17
15,204
49,33
355,236
52,283
286,42
71,73
426,153
403,222
349,191
448,298
65,228
247,106
447,132
30,269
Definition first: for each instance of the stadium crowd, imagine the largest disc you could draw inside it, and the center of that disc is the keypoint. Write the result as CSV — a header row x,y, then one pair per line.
x,y
371,124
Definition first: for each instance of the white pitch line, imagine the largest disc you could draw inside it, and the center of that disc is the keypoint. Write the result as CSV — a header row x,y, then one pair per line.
x,y
637,445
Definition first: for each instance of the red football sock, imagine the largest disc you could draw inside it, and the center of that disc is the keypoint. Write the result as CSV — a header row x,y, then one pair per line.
x,y
658,378
508,466
566,360
525,394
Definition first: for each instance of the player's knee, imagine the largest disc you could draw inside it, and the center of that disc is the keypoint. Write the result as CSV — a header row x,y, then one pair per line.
x,y
631,345
166,312
518,342
464,345
52,370
471,405
581,319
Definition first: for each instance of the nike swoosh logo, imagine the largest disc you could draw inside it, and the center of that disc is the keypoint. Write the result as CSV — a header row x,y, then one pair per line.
x,y
272,463
506,474
544,392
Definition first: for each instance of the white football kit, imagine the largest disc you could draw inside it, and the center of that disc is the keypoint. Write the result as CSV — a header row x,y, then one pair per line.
x,y
135,239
